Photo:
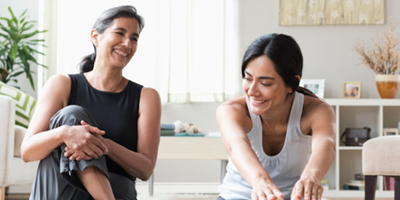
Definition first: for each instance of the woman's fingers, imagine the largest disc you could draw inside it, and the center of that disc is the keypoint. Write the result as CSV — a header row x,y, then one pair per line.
x,y
278,193
320,191
93,129
307,191
315,192
297,192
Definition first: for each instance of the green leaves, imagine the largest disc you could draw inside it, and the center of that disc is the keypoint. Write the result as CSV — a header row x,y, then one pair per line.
x,y
17,49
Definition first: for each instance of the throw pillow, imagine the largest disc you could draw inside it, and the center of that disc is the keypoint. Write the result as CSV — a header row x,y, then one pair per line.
x,y
24,104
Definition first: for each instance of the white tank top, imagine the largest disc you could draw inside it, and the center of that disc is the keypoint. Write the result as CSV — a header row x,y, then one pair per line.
x,y
284,168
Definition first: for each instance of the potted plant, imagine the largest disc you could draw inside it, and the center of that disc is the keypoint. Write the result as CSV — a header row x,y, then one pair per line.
x,y
384,60
17,49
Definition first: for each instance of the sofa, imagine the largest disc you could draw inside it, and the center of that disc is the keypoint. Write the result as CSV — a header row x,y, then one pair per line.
x,y
13,171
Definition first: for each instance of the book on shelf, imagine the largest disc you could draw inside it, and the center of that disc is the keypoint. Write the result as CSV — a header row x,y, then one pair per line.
x,y
389,183
167,132
354,185
167,126
324,183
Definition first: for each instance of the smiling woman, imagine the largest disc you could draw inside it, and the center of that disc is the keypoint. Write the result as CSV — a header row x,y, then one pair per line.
x,y
280,137
96,132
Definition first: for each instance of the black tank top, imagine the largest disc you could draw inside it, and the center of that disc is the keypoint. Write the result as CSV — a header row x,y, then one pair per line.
x,y
115,113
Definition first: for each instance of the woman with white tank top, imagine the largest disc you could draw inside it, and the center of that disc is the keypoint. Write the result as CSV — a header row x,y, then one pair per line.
x,y
280,137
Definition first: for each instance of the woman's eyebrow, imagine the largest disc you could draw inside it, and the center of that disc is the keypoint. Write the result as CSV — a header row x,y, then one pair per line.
x,y
260,77
124,30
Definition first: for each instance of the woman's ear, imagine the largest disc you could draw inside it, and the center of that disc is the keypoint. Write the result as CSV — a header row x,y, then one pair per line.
x,y
94,36
298,77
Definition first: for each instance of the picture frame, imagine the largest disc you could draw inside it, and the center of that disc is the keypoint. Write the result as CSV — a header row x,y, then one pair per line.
x,y
390,131
316,86
352,90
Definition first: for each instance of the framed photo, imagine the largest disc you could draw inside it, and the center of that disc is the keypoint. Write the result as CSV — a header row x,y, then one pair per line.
x,y
352,90
314,85
390,131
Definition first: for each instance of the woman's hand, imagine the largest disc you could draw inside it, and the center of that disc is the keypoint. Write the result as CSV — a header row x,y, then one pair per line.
x,y
266,190
83,142
310,188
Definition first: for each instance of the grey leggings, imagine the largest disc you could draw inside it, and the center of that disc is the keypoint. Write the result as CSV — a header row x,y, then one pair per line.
x,y
56,177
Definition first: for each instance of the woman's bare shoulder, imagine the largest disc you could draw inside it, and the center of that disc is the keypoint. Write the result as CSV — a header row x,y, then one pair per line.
x,y
237,103
315,106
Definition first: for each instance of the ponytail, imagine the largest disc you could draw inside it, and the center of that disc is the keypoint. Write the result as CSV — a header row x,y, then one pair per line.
x,y
87,63
306,91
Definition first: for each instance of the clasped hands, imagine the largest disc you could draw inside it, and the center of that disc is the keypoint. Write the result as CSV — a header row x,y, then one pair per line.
x,y
309,188
84,142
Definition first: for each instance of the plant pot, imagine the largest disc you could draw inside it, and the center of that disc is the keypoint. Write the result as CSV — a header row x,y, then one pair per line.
x,y
387,85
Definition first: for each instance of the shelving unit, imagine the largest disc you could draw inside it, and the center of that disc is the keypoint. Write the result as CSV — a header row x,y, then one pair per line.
x,y
358,113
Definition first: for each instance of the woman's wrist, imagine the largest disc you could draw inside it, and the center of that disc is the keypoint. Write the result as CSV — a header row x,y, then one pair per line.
x,y
314,174
261,179
62,132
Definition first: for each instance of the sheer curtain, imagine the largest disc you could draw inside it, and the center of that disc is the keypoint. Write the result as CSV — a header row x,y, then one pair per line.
x,y
187,50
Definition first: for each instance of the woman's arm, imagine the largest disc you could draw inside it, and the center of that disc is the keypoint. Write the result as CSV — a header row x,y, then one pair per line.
x,y
322,120
39,141
231,119
142,163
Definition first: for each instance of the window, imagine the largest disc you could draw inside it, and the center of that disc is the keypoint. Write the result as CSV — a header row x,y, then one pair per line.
x,y
187,50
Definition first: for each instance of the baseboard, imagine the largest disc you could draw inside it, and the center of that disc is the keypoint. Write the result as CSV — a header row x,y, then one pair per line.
x,y
179,187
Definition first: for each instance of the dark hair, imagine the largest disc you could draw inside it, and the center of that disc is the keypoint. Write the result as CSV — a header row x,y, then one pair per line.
x,y
102,23
286,55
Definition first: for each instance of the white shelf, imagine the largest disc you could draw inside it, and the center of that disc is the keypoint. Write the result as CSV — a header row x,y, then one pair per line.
x,y
358,113
363,102
349,148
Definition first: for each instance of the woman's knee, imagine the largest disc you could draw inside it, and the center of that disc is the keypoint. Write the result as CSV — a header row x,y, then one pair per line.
x,y
71,115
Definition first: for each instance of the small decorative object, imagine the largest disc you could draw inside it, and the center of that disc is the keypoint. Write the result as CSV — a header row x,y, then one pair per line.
x,y
314,85
355,136
359,177
186,127
384,60
331,12
390,131
17,48
352,90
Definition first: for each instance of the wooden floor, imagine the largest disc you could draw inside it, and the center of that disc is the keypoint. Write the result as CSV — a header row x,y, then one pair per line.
x,y
176,197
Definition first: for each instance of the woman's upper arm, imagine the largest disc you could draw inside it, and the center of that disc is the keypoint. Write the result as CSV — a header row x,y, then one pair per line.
x,y
149,123
231,118
54,96
323,125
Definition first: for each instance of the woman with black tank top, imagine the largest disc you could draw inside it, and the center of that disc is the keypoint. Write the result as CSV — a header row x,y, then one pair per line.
x,y
96,131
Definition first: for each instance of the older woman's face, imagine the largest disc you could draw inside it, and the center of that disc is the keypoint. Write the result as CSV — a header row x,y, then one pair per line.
x,y
263,86
118,43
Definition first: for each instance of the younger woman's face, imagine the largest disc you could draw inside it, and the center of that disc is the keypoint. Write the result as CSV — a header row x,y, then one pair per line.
x,y
263,86
117,44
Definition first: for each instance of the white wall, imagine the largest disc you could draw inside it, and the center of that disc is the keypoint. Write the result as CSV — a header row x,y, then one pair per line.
x,y
18,7
326,49
327,55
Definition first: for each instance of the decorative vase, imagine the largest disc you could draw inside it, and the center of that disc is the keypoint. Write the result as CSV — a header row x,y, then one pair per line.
x,y
388,85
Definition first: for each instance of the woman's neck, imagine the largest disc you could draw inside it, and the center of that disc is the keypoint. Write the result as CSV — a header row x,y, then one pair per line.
x,y
280,114
106,79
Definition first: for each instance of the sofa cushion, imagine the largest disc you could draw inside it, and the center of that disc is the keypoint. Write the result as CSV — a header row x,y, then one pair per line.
x,y
25,104
380,156
18,138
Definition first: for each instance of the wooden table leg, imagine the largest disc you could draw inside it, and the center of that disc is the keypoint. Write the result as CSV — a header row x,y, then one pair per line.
x,y
223,169
370,187
397,188
2,193
151,184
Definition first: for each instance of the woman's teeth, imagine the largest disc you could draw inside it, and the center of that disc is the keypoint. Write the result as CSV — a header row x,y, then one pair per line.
x,y
121,53
259,101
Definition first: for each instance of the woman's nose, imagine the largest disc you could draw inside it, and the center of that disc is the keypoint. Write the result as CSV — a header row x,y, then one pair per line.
x,y
127,42
253,90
